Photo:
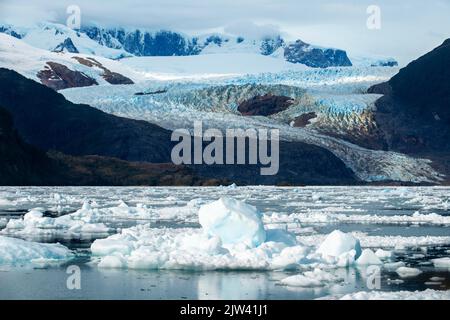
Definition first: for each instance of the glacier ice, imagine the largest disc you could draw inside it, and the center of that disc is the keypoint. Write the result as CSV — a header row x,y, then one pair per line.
x,y
233,222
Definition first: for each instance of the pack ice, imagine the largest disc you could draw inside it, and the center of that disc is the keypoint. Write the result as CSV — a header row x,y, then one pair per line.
x,y
232,237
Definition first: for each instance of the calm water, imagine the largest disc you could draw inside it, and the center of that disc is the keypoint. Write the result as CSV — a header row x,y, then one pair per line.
x,y
50,282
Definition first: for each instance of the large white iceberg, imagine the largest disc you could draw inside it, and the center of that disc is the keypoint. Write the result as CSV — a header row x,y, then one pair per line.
x,y
232,237
17,252
338,243
143,247
233,222
368,257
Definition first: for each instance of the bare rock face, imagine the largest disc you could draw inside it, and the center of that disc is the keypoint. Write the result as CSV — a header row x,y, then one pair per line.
x,y
301,52
304,119
414,113
108,75
66,46
265,105
58,77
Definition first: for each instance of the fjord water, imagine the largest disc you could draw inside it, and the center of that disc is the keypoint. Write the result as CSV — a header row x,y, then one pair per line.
x,y
410,221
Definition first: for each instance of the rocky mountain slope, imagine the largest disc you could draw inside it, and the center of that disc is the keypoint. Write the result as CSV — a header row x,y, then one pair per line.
x,y
24,164
414,113
61,70
46,120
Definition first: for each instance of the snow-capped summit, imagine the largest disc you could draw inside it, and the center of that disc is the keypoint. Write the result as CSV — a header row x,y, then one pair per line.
x,y
58,37
117,43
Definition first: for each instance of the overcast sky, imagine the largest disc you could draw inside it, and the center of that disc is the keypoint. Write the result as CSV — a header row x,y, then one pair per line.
x,y
409,28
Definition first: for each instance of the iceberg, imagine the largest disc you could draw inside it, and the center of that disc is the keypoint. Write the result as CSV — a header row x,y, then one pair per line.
x,y
338,243
232,237
368,257
17,252
233,222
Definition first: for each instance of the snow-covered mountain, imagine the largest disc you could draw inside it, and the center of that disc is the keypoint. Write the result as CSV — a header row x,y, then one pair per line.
x,y
60,70
117,43
58,37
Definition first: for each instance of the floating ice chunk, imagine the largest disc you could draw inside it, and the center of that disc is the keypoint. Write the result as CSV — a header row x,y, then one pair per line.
x,y
406,272
337,243
315,278
441,262
143,247
17,252
384,254
394,265
111,262
34,222
428,294
368,257
233,221
437,279
301,281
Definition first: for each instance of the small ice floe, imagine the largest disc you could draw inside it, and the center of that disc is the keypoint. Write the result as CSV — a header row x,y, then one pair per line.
x,y
34,223
428,294
437,279
368,257
396,242
392,266
384,254
17,252
406,272
7,203
442,262
315,278
395,281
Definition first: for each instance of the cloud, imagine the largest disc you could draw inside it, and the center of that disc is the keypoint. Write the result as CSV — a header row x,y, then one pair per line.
x,y
335,23
249,29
